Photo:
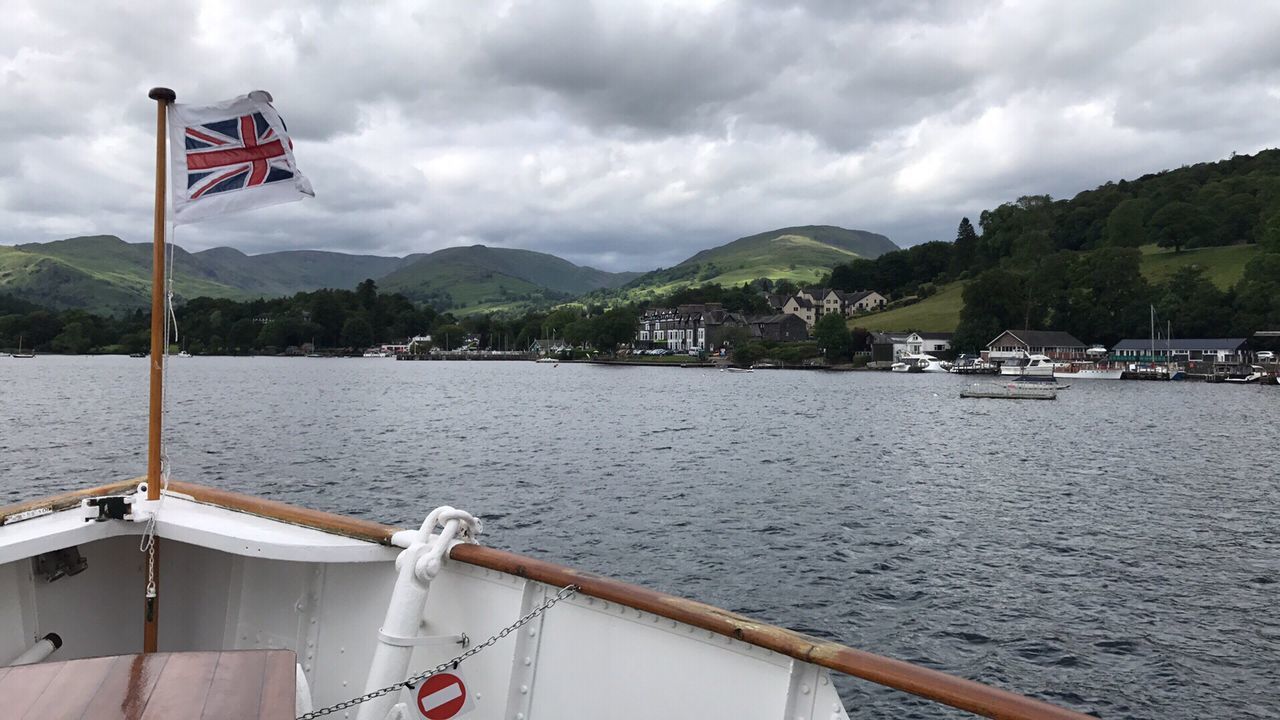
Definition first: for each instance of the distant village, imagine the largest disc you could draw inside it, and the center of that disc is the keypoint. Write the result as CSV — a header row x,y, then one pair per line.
x,y
702,328
707,332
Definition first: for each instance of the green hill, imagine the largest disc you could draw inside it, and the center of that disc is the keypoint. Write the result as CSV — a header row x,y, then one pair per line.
x,y
941,312
802,254
105,274
101,273
479,278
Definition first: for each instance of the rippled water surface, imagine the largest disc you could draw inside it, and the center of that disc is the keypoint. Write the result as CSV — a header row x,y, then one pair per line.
x,y
1116,551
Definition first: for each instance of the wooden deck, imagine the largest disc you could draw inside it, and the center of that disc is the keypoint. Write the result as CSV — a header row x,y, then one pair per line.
x,y
236,685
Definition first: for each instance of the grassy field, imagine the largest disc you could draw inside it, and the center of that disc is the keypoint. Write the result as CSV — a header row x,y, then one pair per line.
x,y
937,313
941,312
1223,265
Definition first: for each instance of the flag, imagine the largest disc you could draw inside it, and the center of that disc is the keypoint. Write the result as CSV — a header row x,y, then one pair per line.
x,y
235,155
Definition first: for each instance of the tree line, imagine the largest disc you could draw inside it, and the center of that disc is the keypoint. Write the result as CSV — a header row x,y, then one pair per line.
x,y
1074,265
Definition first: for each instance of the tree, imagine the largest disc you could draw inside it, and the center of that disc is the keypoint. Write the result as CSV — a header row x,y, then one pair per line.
x,y
1126,226
367,294
832,335
273,334
1177,225
965,247
243,333
74,339
747,354
1194,304
357,332
613,328
994,301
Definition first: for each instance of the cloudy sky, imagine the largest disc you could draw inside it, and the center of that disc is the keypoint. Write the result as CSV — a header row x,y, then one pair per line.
x,y
626,134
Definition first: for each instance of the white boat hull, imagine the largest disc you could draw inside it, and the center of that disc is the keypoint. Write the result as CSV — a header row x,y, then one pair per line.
x,y
1024,371
1091,374
234,581
236,572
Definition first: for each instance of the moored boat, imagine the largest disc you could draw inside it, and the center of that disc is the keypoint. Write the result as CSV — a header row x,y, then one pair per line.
x,y
20,354
920,363
1088,371
1029,366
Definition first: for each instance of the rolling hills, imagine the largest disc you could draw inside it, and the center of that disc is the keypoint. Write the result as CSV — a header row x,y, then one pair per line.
x,y
481,278
802,254
105,274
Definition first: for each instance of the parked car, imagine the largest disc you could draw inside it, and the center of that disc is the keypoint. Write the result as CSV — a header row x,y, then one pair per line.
x,y
1266,356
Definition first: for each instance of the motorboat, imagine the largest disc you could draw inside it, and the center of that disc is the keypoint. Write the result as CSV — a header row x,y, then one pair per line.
x,y
1255,374
1031,365
921,362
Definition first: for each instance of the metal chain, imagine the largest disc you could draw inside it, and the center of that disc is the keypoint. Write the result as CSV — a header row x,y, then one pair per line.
x,y
565,592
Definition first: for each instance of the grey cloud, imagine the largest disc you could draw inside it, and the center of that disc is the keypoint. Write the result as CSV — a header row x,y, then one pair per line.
x,y
628,135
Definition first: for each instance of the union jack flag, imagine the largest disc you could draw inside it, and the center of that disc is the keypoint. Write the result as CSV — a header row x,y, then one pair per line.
x,y
231,156
234,154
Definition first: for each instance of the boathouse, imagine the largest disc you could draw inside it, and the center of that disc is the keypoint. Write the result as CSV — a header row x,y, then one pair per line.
x,y
1183,350
1017,344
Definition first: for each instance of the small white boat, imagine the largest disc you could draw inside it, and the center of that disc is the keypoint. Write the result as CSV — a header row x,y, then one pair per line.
x,y
737,370
374,354
184,354
547,360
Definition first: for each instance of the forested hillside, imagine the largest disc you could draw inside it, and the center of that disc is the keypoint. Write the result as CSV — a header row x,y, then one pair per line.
x,y
1075,264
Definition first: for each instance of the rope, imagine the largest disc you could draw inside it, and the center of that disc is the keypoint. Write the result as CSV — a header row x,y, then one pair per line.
x,y
147,542
412,681
427,554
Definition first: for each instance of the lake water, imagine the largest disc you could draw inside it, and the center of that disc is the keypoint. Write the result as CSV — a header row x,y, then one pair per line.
x,y
1116,550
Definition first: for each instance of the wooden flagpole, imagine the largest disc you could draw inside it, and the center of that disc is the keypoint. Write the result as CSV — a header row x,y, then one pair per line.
x,y
162,96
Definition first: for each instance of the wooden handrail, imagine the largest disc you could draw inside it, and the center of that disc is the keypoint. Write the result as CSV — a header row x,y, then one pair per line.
x,y
934,685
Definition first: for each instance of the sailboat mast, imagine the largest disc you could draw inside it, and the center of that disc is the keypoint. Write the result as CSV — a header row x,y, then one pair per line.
x,y
1153,335
162,96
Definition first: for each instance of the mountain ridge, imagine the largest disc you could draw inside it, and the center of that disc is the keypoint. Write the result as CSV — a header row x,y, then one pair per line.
x,y
105,273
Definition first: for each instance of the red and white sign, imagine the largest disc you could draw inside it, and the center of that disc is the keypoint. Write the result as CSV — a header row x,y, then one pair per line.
x,y
444,696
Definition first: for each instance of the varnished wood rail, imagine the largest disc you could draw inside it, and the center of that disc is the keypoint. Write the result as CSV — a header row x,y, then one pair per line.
x,y
931,684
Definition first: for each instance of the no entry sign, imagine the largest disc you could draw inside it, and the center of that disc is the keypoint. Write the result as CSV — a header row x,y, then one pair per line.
x,y
444,696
